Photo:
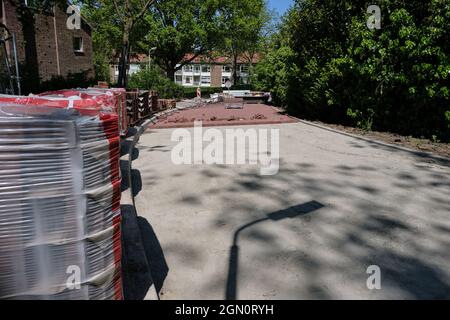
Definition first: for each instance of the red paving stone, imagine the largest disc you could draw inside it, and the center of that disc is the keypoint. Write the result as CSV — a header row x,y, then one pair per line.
x,y
218,115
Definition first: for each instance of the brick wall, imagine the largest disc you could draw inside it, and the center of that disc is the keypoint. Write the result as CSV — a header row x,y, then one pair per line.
x,y
41,49
70,61
216,75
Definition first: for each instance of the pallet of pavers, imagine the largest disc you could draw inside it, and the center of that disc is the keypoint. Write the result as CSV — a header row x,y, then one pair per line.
x,y
60,216
113,99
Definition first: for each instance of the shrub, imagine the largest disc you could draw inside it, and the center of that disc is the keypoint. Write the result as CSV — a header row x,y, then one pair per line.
x,y
154,79
73,80
326,64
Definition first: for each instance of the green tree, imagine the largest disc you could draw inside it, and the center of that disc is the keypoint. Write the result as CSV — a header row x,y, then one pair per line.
x,y
244,21
153,78
120,20
396,78
178,27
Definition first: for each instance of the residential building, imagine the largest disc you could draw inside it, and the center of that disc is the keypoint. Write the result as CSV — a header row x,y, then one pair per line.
x,y
137,62
46,46
200,72
204,71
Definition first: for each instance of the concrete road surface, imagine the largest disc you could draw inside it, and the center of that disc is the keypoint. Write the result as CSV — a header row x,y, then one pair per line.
x,y
338,205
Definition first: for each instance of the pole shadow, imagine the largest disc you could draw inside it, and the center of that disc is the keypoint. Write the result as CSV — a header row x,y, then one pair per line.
x,y
233,264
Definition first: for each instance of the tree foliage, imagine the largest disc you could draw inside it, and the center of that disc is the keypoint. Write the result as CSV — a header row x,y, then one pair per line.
x,y
153,78
395,78
175,28
120,19
244,21
178,27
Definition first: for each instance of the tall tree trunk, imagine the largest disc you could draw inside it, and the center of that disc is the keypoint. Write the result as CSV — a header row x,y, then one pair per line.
x,y
235,72
171,67
125,55
170,73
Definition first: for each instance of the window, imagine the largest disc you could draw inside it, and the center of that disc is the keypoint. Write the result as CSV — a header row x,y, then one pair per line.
x,y
243,68
134,68
206,69
226,68
196,68
78,44
188,80
187,68
178,79
206,80
196,80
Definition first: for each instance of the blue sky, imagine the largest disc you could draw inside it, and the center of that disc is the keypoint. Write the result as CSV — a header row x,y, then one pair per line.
x,y
280,5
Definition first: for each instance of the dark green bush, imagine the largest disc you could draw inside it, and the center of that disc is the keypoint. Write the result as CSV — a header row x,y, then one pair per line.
x,y
73,80
154,79
326,64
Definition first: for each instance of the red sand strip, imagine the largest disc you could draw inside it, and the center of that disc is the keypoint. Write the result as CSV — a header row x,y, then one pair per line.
x,y
218,115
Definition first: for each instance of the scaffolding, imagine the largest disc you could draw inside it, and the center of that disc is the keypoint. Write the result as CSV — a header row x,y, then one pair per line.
x,y
9,71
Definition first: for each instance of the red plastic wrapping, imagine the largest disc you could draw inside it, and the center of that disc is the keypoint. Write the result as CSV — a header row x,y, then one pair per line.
x,y
109,99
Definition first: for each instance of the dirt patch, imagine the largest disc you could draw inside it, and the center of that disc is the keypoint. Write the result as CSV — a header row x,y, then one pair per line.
x,y
220,115
423,145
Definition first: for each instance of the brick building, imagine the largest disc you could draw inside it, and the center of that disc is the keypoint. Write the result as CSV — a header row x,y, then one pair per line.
x,y
205,71
47,48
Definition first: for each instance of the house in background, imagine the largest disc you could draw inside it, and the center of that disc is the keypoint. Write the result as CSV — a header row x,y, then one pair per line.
x,y
137,62
46,47
204,71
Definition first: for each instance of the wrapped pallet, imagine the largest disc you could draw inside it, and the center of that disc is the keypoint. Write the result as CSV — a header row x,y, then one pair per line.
x,y
109,99
59,200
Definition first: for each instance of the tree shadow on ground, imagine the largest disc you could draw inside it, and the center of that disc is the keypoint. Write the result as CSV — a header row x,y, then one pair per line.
x,y
378,230
376,211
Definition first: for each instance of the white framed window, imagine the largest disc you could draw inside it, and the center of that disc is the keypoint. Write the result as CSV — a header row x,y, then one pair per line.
x,y
243,68
134,68
197,68
179,79
187,68
78,44
188,80
206,68
196,80
226,68
206,80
